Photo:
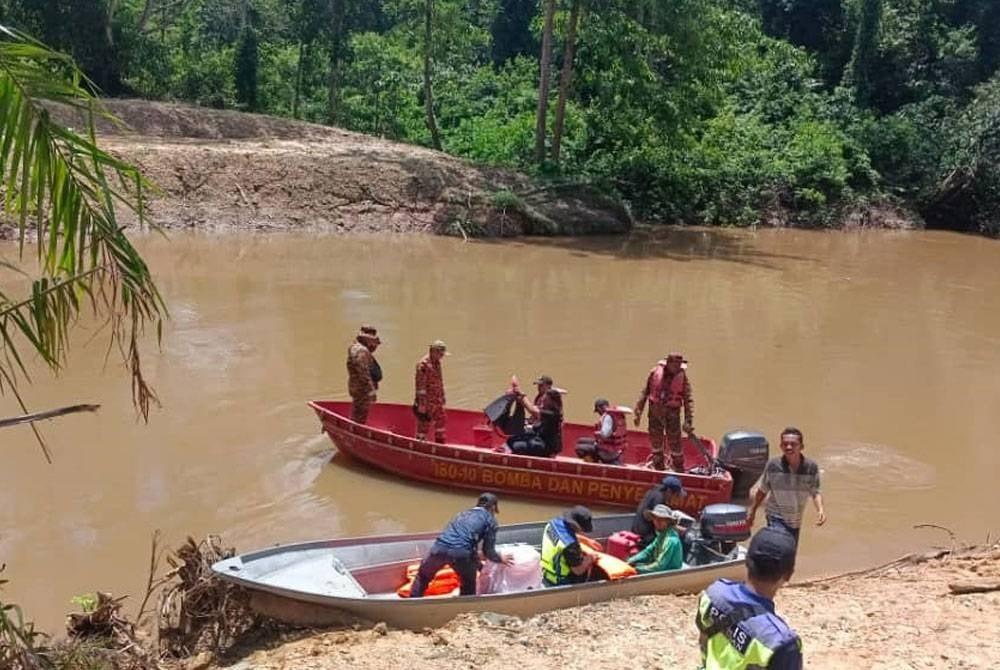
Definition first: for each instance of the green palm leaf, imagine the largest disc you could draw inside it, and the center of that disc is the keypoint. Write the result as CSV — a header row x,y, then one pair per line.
x,y
63,193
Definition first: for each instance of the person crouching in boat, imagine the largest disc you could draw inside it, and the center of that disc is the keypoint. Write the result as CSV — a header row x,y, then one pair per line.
x,y
363,373
458,546
669,489
543,437
665,552
610,435
563,560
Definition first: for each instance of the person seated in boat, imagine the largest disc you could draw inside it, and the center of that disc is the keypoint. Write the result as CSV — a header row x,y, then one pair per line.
x,y
459,544
665,552
563,560
610,435
669,490
542,436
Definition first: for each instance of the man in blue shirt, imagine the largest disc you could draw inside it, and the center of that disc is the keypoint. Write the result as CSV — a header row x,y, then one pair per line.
x,y
737,623
458,546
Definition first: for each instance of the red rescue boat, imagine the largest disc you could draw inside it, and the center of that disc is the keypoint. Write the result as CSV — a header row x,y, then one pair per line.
x,y
469,461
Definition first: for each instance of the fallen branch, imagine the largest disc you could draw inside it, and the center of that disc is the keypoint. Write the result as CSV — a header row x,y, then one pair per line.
x,y
959,588
48,414
906,559
951,533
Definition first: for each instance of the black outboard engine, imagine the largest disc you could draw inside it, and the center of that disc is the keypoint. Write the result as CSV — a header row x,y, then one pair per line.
x,y
722,526
744,454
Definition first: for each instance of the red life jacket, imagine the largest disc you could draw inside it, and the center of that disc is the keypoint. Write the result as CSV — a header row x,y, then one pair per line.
x,y
672,394
619,430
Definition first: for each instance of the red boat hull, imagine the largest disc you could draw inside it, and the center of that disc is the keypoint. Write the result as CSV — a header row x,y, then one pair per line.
x,y
386,443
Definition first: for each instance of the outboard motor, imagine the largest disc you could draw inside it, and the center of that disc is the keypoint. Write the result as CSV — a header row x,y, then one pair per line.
x,y
722,526
744,454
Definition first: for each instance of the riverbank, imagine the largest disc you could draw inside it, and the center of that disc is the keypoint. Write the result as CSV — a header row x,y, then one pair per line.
x,y
223,170
901,615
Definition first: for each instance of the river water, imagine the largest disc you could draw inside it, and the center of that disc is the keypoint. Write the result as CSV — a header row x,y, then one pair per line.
x,y
883,347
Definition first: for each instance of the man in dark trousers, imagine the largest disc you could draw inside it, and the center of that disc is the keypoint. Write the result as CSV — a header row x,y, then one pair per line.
x,y
458,546
668,492
737,624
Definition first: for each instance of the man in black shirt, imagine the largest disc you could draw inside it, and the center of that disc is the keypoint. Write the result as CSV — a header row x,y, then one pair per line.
x,y
664,493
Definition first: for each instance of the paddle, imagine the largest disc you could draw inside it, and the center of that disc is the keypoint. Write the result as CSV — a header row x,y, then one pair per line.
x,y
712,464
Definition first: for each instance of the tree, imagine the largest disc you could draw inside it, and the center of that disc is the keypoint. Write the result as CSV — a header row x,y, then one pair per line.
x,y
428,67
511,30
566,79
247,66
859,74
62,189
543,81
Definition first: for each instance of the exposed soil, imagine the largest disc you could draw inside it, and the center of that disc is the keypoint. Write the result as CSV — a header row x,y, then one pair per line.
x,y
228,170
902,615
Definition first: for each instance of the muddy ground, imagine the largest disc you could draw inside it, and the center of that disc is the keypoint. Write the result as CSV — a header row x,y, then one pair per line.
x,y
224,170
902,615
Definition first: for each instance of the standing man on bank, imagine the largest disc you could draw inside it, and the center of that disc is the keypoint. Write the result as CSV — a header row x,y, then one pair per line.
x,y
363,373
738,627
788,482
429,402
667,390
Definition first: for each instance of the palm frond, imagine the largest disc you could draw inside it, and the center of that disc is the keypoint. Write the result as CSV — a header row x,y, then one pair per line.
x,y
63,192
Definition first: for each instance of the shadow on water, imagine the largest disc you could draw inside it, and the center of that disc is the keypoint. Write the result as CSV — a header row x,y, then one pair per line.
x,y
669,243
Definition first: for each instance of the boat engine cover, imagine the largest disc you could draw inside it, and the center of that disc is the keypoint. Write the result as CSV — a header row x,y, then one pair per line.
x,y
725,522
744,454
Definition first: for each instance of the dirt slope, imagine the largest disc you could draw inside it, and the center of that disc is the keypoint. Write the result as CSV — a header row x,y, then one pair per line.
x,y
221,170
900,616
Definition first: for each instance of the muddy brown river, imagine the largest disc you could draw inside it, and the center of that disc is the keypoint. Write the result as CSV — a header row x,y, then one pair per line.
x,y
884,348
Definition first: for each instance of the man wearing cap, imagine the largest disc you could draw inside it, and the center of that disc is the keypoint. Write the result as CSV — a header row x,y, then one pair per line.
x,y
363,373
736,620
545,435
563,561
458,546
665,552
788,483
668,490
429,402
667,389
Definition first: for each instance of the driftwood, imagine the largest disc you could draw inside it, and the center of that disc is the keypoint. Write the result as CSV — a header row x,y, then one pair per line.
x,y
199,611
906,559
959,588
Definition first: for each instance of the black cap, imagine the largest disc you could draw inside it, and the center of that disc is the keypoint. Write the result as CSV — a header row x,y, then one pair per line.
x,y
581,517
488,501
771,553
544,379
599,403
672,483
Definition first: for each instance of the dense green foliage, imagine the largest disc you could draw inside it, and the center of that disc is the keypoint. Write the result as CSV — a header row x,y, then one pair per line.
x,y
717,111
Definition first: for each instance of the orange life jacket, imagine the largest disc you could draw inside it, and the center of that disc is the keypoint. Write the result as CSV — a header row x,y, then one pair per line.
x,y
615,568
672,394
445,582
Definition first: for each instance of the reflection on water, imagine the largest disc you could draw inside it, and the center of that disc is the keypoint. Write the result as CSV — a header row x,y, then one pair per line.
x,y
882,347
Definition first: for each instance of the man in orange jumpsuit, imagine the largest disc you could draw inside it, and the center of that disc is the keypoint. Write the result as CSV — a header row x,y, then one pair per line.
x,y
363,373
429,402
667,389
